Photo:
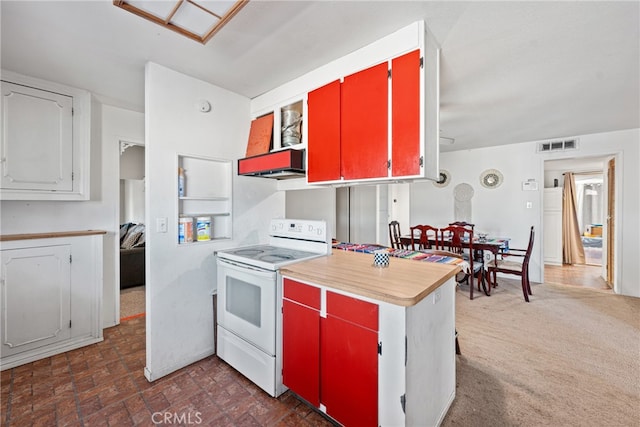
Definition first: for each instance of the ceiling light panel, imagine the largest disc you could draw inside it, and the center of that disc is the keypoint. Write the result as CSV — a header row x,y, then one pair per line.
x,y
161,9
218,7
196,19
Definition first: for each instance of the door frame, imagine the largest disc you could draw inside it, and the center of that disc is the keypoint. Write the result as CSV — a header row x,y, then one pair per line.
x,y
610,221
610,267
123,144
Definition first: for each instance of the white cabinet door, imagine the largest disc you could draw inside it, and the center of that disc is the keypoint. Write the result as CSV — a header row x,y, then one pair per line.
x,y
36,295
552,220
37,139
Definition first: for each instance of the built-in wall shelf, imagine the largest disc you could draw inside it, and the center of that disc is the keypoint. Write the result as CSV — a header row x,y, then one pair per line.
x,y
204,198
205,191
196,214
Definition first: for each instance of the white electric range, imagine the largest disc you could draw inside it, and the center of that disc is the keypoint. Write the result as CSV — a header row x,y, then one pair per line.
x,y
249,334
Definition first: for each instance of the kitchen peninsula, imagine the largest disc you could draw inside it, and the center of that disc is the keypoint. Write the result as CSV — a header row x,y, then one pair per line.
x,y
369,345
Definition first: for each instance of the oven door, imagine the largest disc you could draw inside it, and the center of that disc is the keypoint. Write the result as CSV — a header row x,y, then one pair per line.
x,y
247,303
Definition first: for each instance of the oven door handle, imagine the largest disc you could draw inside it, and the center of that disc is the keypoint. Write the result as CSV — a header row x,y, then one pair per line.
x,y
244,267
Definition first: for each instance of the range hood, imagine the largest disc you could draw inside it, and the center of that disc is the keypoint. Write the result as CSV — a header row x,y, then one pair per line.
x,y
282,164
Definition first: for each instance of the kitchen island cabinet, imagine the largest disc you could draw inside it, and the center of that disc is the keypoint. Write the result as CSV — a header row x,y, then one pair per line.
x,y
367,345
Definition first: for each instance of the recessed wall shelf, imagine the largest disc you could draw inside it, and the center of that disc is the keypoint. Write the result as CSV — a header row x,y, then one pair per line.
x,y
207,192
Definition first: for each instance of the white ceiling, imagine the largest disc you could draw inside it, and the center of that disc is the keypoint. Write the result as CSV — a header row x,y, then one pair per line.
x,y
511,71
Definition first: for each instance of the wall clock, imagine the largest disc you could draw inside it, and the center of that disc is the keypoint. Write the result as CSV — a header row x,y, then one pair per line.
x,y
444,180
491,178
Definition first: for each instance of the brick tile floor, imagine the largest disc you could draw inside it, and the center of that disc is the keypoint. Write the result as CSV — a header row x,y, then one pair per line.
x,y
104,385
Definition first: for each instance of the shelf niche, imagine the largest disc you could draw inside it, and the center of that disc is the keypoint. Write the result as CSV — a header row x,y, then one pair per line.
x,y
207,193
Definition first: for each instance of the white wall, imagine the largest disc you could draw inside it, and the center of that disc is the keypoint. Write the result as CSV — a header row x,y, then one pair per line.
x,y
358,213
316,204
132,184
117,124
132,163
502,211
181,279
132,201
100,212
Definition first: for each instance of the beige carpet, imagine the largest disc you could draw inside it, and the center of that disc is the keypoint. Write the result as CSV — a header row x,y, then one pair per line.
x,y
570,357
131,302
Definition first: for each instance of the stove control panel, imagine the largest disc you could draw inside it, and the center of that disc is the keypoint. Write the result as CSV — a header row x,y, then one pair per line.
x,y
299,229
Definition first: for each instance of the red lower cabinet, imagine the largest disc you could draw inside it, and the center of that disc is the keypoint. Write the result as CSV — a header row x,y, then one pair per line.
x,y
301,340
301,351
332,361
349,372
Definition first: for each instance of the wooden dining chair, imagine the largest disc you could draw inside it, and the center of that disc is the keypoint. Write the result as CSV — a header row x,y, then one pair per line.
x,y
424,237
502,264
459,240
394,235
462,224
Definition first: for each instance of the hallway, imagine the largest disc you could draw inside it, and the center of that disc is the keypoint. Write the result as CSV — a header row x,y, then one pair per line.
x,y
587,276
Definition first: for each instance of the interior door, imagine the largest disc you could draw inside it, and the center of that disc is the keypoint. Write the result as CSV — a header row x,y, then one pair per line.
x,y
611,199
355,214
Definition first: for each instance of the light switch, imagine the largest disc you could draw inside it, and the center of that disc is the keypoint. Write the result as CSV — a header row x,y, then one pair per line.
x,y
529,205
161,225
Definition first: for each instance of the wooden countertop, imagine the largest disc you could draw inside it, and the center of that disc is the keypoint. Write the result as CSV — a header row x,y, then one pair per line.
x,y
405,282
51,235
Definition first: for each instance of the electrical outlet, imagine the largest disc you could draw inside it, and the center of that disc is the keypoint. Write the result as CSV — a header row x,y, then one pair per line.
x,y
161,225
437,296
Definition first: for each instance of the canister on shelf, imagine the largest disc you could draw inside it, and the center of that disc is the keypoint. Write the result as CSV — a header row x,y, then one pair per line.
x,y
180,182
203,227
185,229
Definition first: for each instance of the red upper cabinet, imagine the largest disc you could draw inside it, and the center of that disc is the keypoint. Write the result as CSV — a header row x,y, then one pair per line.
x,y
364,123
374,118
323,140
405,116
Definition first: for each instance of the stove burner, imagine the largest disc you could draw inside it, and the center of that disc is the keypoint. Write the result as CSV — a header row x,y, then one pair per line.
x,y
248,252
275,257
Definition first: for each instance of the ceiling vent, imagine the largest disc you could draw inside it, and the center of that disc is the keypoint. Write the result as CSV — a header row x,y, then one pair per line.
x,y
562,145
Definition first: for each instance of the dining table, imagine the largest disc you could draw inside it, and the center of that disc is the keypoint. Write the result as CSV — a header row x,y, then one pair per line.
x,y
495,245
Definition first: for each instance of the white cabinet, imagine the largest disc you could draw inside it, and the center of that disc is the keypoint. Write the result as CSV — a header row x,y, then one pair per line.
x,y
552,217
51,294
45,140
37,293
207,193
